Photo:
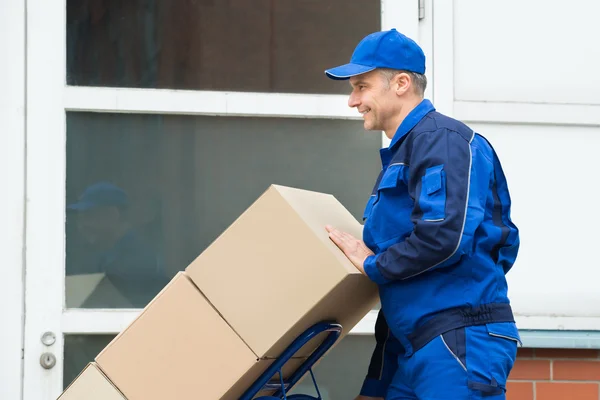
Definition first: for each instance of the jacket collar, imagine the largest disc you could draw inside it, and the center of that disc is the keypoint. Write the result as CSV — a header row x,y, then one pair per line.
x,y
411,120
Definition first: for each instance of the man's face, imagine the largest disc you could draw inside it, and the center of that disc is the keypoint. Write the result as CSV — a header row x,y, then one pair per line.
x,y
373,98
99,225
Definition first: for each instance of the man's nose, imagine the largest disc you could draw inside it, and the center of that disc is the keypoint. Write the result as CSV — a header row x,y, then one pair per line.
x,y
353,100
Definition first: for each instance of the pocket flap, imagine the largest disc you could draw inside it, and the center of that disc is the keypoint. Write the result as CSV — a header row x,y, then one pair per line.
x,y
391,176
506,330
433,179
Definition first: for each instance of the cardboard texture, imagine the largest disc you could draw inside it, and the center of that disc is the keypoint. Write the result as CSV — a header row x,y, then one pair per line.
x,y
180,348
275,272
91,384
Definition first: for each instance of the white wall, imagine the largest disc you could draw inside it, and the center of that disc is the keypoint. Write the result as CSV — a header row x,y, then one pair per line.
x,y
524,73
552,175
12,153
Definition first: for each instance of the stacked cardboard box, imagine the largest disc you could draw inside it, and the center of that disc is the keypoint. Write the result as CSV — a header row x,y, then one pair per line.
x,y
92,384
216,327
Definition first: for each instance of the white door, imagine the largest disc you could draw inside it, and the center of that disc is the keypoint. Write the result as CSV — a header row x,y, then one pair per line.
x,y
525,75
150,126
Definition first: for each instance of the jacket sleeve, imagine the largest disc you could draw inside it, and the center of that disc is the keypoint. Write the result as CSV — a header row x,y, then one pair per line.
x,y
384,361
442,185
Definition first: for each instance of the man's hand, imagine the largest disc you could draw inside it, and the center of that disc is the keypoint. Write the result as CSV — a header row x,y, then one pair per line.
x,y
355,249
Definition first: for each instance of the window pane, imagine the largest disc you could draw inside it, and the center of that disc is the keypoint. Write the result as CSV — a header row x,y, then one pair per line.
x,y
79,351
148,193
339,375
236,45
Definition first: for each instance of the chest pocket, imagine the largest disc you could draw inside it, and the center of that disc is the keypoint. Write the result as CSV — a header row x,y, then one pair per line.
x,y
388,180
391,177
389,208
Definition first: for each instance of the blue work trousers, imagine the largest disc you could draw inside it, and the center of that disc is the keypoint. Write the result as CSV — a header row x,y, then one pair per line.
x,y
465,363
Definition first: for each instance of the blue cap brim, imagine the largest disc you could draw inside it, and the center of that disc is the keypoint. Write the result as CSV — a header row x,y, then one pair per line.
x,y
347,71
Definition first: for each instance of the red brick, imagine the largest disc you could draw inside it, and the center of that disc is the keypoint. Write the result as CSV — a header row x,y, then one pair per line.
x,y
576,370
566,353
519,391
525,353
566,391
530,370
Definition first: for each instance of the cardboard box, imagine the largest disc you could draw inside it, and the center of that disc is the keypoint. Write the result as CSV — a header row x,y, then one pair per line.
x,y
180,348
91,384
275,272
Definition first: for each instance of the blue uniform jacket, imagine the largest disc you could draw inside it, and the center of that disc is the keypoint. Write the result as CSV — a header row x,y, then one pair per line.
x,y
438,221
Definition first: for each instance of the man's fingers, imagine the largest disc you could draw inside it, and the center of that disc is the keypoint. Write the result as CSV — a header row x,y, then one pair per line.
x,y
345,241
336,238
340,241
338,233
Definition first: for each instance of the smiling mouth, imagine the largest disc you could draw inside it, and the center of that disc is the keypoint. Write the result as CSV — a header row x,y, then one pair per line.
x,y
365,111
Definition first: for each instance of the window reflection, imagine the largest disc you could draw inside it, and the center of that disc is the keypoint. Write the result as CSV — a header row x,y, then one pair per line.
x,y
79,350
146,194
237,45
117,266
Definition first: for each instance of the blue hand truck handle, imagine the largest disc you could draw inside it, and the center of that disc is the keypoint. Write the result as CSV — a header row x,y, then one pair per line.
x,y
263,382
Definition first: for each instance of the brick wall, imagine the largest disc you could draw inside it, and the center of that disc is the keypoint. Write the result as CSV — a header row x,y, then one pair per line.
x,y
555,374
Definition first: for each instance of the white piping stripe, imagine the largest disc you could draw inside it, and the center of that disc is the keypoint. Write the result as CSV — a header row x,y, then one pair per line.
x,y
398,163
453,355
506,337
348,76
464,219
434,220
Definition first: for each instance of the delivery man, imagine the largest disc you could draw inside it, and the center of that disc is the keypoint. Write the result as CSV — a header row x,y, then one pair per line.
x,y
438,238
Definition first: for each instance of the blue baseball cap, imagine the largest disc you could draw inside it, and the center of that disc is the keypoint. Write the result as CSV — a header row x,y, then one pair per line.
x,y
386,49
101,194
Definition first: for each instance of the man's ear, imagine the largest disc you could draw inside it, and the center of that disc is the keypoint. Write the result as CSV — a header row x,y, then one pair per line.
x,y
402,83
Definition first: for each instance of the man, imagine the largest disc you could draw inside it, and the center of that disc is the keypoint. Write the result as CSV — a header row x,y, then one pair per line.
x,y
438,238
114,248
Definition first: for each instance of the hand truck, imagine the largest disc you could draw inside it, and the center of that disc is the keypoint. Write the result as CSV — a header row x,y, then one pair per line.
x,y
283,386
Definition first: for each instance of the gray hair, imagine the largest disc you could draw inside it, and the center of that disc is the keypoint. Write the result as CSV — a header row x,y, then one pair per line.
x,y
419,80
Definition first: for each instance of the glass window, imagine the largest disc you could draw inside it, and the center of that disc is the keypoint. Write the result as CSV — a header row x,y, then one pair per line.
x,y
339,375
235,45
146,194
79,351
